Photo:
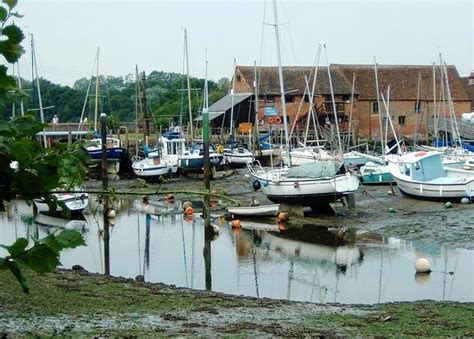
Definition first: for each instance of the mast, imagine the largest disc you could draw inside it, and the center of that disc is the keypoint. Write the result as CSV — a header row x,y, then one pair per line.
x,y
231,127
282,86
435,117
40,102
454,122
378,108
96,109
189,84
336,121
350,112
19,87
255,102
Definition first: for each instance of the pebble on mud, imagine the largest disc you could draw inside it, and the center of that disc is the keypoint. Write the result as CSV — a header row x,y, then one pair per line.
x,y
391,210
448,204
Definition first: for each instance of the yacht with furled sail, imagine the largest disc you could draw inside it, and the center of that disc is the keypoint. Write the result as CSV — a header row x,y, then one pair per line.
x,y
314,184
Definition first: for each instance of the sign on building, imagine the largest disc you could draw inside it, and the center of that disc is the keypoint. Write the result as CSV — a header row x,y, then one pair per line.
x,y
270,111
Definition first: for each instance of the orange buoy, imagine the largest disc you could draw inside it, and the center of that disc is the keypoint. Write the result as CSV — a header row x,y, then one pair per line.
x,y
277,120
282,216
271,120
189,211
281,226
236,223
235,231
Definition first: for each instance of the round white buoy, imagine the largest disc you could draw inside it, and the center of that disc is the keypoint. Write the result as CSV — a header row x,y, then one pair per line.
x,y
389,192
187,204
422,265
112,213
465,201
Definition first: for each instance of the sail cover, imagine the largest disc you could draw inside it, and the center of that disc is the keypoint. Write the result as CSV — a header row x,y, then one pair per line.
x,y
319,169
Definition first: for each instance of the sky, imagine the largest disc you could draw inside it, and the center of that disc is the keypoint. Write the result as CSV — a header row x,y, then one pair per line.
x,y
150,34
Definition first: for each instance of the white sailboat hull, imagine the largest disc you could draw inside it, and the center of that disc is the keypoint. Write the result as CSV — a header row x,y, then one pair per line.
x,y
306,191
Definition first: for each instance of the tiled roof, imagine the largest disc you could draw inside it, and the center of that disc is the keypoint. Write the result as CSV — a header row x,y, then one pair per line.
x,y
294,78
403,81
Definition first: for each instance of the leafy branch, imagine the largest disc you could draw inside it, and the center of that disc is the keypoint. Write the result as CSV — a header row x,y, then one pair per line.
x,y
42,257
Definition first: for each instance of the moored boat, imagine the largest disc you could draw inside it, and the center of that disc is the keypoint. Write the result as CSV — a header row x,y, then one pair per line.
x,y
255,211
423,175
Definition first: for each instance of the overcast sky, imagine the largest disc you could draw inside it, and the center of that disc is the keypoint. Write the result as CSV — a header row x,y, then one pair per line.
x,y
150,34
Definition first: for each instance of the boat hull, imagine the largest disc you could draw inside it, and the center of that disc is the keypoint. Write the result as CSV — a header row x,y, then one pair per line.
x,y
306,192
255,211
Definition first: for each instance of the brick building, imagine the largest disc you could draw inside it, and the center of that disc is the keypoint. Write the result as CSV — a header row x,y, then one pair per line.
x,y
469,87
411,96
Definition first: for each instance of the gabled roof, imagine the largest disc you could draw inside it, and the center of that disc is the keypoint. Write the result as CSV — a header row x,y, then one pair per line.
x,y
403,81
294,78
224,104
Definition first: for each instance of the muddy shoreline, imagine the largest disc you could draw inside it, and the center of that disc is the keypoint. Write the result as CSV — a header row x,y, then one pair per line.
x,y
78,303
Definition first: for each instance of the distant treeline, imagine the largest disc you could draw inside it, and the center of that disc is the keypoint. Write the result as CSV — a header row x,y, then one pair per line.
x,y
166,95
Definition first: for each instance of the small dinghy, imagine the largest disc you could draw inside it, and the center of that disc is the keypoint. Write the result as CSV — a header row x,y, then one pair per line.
x,y
256,211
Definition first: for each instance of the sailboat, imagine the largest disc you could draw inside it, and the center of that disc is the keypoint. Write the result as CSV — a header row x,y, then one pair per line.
x,y
191,160
377,172
236,153
313,184
115,152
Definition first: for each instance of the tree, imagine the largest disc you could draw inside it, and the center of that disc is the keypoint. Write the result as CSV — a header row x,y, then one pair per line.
x,y
27,168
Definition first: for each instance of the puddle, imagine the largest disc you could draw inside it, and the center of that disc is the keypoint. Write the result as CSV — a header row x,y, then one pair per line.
x,y
305,263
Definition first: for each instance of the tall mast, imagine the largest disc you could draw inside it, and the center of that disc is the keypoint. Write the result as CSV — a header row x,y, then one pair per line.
x,y
231,127
189,84
336,121
282,86
40,102
435,113
96,109
19,87
255,102
378,108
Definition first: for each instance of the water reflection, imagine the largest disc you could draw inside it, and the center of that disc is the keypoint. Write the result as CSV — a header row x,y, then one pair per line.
x,y
263,259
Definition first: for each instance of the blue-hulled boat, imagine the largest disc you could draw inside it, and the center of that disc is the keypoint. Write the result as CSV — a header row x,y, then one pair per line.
x,y
192,161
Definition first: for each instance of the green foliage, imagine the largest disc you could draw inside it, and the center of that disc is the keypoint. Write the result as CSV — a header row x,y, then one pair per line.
x,y
113,123
36,170
10,49
42,257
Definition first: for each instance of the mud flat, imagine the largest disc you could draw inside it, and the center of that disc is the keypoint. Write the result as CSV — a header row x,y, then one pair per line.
x,y
77,303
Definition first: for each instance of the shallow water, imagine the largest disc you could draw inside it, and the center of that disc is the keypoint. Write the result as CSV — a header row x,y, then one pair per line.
x,y
306,263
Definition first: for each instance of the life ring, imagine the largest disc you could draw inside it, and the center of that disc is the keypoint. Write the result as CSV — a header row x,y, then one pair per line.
x,y
420,154
271,120
277,120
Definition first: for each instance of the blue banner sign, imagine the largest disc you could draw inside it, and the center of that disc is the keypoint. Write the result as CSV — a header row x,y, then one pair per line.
x,y
270,110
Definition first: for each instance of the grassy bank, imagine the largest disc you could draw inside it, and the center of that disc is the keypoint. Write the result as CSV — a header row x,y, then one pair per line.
x,y
72,303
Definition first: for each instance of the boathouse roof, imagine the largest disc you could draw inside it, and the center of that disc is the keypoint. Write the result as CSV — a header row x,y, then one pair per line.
x,y
403,81
294,78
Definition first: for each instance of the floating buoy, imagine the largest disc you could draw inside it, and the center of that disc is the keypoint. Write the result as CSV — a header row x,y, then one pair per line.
x,y
187,204
282,216
391,210
170,196
189,210
235,223
112,213
448,204
422,265
465,201
389,192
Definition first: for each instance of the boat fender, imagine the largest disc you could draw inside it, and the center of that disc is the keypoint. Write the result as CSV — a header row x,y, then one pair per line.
x,y
265,184
256,185
296,184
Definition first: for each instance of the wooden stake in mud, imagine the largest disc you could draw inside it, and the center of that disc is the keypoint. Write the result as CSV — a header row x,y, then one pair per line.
x,y
103,135
207,185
